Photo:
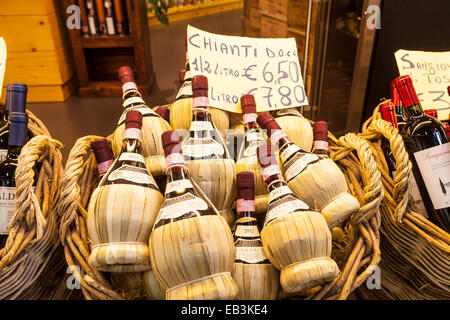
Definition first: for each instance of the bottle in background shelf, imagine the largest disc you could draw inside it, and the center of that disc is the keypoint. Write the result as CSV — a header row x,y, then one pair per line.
x,y
320,131
397,101
192,249
91,17
101,17
119,17
84,19
247,159
297,128
152,127
255,276
16,140
427,143
123,208
316,180
109,19
103,156
296,239
207,156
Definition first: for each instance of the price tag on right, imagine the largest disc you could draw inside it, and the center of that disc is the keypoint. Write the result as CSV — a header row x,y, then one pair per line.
x,y
430,72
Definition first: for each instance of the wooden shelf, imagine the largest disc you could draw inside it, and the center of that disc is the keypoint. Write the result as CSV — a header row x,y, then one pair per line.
x,y
196,10
107,41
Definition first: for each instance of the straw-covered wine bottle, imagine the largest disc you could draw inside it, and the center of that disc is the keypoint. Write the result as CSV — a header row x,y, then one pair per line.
x,y
123,208
297,127
255,276
320,146
296,239
207,157
152,128
191,245
316,180
247,159
103,156
181,109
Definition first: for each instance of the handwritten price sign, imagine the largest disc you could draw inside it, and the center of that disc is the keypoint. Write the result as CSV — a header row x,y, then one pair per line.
x,y
266,68
430,72
2,62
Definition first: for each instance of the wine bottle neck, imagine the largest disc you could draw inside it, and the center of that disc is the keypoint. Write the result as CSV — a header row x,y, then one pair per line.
x,y
14,152
414,110
131,145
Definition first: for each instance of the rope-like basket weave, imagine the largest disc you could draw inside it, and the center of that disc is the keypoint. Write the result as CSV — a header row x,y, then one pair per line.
x,y
357,254
416,253
31,262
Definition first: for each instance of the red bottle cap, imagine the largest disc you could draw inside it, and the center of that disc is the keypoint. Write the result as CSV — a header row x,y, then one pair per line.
x,y
267,122
266,156
133,119
200,86
101,150
245,184
126,75
181,75
431,112
406,91
395,97
171,142
320,131
164,113
447,127
387,110
248,104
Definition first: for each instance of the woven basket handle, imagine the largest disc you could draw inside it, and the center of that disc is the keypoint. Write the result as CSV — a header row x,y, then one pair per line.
x,y
373,191
401,193
27,205
70,190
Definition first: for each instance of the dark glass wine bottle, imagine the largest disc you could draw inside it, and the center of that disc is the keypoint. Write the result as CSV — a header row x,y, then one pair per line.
x,y
17,139
4,126
427,143
397,101
181,201
388,113
249,248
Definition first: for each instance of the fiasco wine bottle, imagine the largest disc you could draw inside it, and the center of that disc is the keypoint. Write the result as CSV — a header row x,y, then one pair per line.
x,y
427,143
320,131
17,139
255,276
103,156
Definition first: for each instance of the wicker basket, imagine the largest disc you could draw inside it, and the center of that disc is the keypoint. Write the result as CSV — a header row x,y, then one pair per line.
x,y
356,254
416,253
31,264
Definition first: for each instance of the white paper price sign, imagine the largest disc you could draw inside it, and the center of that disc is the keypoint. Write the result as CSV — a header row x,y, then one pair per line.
x,y
266,68
2,62
430,72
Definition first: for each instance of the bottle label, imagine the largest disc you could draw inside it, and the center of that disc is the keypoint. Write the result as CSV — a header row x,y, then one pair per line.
x,y
276,136
278,192
254,135
110,25
104,166
271,170
133,100
142,109
174,158
178,206
132,174
201,126
201,102
205,147
131,156
132,133
289,151
284,206
185,90
187,76
249,117
3,154
415,195
249,251
434,166
243,205
297,163
178,186
320,145
7,207
289,112
91,23
129,86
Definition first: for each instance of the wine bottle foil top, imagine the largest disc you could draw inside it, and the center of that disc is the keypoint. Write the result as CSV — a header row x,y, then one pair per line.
x,y
17,97
406,91
133,119
245,184
320,131
102,150
266,156
164,113
266,121
171,142
248,104
432,113
18,128
17,87
395,97
126,75
200,86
